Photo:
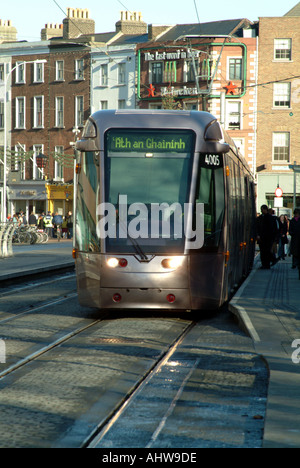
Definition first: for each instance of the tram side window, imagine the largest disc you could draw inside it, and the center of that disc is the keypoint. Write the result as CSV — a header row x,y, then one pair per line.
x,y
210,192
86,205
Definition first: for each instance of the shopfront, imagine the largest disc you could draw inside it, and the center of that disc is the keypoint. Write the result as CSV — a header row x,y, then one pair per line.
x,y
27,196
60,198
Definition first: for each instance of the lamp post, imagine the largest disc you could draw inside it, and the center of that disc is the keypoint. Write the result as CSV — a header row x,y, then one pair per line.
x,y
3,206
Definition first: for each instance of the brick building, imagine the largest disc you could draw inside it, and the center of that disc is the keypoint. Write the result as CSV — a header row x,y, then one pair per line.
x,y
212,68
48,101
278,119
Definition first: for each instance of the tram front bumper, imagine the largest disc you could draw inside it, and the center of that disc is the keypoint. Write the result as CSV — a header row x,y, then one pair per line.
x,y
144,298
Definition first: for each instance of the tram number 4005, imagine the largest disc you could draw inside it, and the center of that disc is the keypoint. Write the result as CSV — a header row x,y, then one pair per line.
x,y
212,160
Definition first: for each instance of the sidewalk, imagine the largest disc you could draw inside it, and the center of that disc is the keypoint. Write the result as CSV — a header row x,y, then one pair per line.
x,y
37,258
268,306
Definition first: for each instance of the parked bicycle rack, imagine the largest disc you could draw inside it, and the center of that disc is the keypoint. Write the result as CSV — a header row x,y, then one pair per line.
x,y
6,235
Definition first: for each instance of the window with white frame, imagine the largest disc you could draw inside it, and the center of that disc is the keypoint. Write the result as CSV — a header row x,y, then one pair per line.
x,y
233,115
281,147
103,105
282,95
38,74
121,104
283,49
58,169
20,73
189,72
38,111
156,72
20,112
38,173
104,75
59,70
79,111
59,111
235,68
121,73
79,69
18,164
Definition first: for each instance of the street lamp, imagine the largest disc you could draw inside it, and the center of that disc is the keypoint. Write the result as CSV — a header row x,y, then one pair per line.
x,y
3,206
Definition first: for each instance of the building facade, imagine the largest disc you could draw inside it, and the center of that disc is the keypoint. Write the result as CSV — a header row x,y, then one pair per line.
x,y
215,73
278,121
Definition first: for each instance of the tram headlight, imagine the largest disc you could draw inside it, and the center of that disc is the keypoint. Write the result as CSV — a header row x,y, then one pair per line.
x,y
172,263
117,262
112,262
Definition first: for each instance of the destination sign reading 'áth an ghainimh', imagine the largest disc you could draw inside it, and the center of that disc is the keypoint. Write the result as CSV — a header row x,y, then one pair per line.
x,y
179,142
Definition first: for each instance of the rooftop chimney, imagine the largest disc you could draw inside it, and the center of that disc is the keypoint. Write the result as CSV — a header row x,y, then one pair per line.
x,y
7,32
51,31
131,23
77,23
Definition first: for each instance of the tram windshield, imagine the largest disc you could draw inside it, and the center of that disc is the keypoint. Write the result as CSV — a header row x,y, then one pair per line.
x,y
147,187
148,177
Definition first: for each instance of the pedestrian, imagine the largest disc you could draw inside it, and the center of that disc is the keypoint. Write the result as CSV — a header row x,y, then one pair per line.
x,y
70,224
48,223
295,234
266,235
283,240
57,223
32,219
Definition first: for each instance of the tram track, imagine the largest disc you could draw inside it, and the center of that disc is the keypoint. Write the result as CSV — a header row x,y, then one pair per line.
x,y
74,375
95,438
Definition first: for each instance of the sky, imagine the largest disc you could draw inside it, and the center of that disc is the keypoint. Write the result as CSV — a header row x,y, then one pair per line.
x,y
30,16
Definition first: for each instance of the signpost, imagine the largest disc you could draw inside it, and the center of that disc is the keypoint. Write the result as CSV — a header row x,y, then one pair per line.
x,y
278,200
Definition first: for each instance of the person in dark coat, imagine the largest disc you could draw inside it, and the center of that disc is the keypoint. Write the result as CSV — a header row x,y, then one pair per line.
x,y
295,238
267,232
283,240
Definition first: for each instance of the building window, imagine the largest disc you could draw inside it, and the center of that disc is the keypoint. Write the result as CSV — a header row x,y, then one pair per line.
x,y
59,70
233,115
19,161
103,75
156,72
189,72
38,111
38,173
103,105
1,114
20,112
121,73
38,76
58,169
121,104
282,49
79,112
59,112
281,147
79,75
235,68
282,95
20,73
1,71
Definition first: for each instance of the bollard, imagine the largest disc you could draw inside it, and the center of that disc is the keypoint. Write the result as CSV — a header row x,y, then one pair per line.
x,y
6,235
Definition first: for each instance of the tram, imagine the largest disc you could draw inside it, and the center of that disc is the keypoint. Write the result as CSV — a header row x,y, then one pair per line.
x,y
165,211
